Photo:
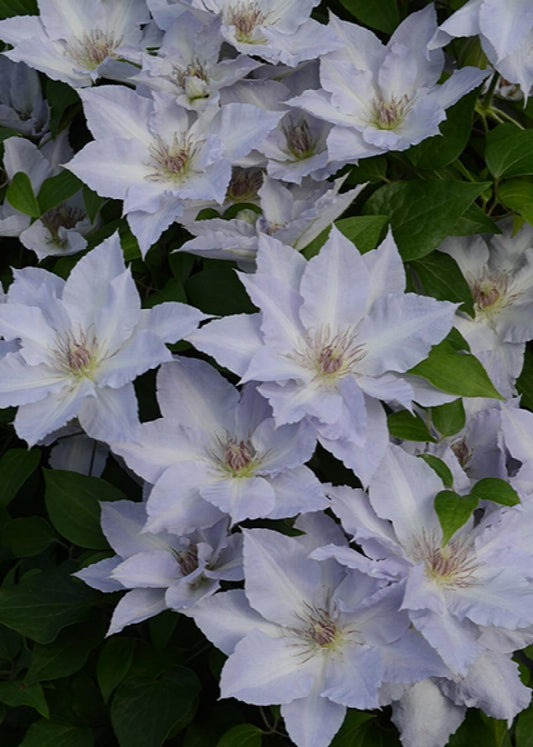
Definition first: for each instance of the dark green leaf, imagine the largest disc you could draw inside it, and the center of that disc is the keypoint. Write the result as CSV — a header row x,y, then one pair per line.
x,y
16,465
72,501
44,603
450,418
243,735
494,489
422,213
57,189
475,730
27,536
441,278
517,194
524,383
20,195
19,693
440,467
363,230
10,8
509,151
440,150
408,427
378,14
352,723
162,627
93,202
63,101
171,291
144,711
66,655
113,663
453,511
56,734
524,729
474,221
218,291
454,372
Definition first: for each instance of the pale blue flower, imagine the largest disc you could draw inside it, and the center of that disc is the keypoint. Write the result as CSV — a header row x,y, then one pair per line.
x,y
334,336
22,107
381,98
216,451
82,342
157,156
163,571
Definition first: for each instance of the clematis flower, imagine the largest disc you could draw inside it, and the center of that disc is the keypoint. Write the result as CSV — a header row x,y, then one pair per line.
x,y
276,30
188,63
309,636
82,342
290,214
333,337
381,98
22,107
455,592
76,42
217,452
506,34
499,272
156,156
162,571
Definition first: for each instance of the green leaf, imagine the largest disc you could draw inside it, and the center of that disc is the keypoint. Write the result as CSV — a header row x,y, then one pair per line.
x,y
56,734
92,202
453,511
363,230
524,729
351,726
16,465
494,489
19,693
378,14
218,291
509,151
27,536
144,710
450,418
455,372
44,603
114,663
441,278
474,221
243,735
63,101
440,467
73,506
20,195
517,194
10,8
524,383
440,150
66,655
57,189
422,213
408,427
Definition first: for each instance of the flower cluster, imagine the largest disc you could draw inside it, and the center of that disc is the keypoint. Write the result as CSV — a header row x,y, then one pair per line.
x,y
331,470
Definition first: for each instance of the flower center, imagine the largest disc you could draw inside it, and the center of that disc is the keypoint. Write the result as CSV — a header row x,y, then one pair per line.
x,y
62,216
194,80
92,48
76,355
245,17
453,565
299,139
244,184
188,560
331,356
461,451
170,162
239,457
389,114
490,293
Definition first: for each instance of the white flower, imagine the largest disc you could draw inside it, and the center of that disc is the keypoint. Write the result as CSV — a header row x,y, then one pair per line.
x,y
82,342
